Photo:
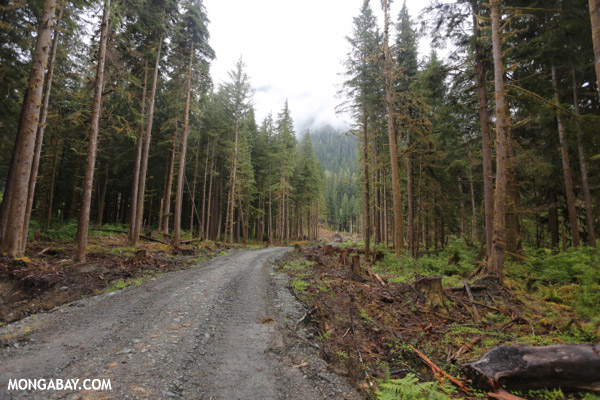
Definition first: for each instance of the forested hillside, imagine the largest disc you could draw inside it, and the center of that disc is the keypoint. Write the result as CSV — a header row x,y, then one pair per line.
x,y
337,154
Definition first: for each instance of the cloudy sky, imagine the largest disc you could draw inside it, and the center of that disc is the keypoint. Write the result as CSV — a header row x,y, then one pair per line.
x,y
292,50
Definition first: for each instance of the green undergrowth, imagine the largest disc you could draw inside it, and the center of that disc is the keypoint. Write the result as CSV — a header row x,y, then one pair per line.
x,y
409,388
570,279
560,290
454,264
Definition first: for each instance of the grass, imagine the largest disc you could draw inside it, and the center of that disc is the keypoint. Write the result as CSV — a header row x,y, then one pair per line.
x,y
121,284
300,285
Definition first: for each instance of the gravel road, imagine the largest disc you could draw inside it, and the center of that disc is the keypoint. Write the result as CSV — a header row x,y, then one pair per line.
x,y
222,330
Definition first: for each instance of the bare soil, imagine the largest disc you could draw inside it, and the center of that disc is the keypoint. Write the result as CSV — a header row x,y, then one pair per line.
x,y
48,277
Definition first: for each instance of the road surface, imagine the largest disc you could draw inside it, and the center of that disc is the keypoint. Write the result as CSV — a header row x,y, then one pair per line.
x,y
222,330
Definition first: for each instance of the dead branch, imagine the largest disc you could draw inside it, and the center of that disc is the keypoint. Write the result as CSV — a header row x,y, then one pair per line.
x,y
472,300
438,372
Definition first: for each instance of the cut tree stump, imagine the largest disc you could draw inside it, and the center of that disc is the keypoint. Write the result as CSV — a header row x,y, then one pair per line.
x,y
357,270
565,366
430,291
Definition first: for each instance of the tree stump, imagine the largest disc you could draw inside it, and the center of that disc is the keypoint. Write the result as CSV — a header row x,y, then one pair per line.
x,y
357,270
342,259
566,366
430,291
328,250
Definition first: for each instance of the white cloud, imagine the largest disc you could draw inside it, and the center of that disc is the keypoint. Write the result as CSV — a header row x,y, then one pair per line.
x,y
292,50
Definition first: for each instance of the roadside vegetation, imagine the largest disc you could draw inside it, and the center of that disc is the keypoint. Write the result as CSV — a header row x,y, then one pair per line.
x,y
374,328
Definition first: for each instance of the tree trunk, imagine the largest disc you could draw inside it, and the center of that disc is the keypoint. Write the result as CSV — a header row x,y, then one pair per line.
x,y
166,204
367,193
201,229
50,201
231,204
410,194
39,140
84,212
193,193
210,190
567,366
595,19
513,226
270,224
186,132
495,264
378,206
553,219
15,197
474,234
584,175
102,197
389,89
138,159
146,149
484,120
566,165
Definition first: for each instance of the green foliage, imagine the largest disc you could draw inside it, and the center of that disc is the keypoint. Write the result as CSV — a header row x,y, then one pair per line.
x,y
118,285
405,267
409,388
571,277
300,285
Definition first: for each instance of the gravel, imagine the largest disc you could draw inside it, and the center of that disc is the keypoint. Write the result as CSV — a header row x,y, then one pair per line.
x,y
221,330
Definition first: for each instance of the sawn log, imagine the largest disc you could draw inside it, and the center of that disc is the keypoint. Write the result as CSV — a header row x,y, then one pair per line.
x,y
566,366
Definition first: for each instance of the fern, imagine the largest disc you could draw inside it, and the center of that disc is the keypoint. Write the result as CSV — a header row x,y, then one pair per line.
x,y
409,388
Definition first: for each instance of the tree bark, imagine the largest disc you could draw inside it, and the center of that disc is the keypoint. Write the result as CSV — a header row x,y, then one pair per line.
x,y
102,197
367,193
484,120
138,159
553,219
146,149
15,195
182,155
584,175
410,194
566,166
389,89
39,140
193,193
567,366
495,265
595,20
201,229
84,212
166,200
474,234
50,201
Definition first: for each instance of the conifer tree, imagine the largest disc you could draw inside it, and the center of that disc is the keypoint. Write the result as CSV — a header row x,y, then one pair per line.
x,y
15,194
361,88
84,214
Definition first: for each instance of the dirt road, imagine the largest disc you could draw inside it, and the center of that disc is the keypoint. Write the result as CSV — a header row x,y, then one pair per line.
x,y
222,330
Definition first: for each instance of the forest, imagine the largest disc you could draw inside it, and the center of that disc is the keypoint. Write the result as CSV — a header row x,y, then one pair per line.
x,y
158,146
482,163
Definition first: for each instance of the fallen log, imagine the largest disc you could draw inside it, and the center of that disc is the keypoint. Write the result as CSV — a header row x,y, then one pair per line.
x,y
565,366
149,238
472,300
462,288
